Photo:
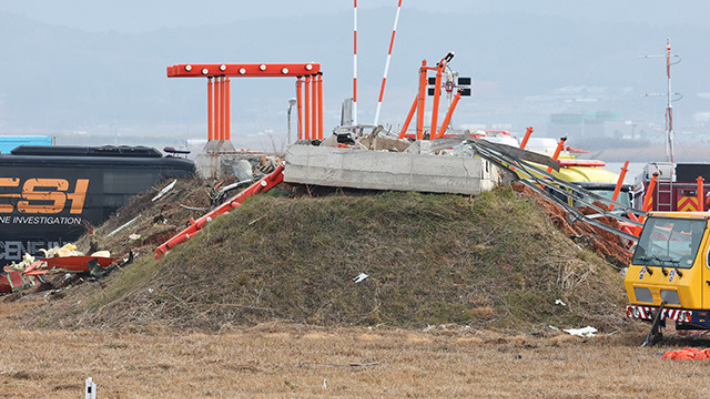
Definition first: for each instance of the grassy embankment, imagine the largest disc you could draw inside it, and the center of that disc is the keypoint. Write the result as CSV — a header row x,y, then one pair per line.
x,y
493,261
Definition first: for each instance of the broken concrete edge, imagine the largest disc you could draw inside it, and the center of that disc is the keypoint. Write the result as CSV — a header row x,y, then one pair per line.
x,y
385,170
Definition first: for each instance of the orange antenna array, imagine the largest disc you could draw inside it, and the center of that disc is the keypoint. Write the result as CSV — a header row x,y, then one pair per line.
x,y
218,92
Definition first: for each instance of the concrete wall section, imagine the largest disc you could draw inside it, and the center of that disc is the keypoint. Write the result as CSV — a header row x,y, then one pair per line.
x,y
380,170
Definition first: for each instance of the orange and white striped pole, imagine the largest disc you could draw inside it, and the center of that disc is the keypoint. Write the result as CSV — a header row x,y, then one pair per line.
x,y
387,65
355,64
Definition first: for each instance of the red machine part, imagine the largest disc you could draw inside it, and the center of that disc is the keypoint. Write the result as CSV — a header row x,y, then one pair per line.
x,y
265,184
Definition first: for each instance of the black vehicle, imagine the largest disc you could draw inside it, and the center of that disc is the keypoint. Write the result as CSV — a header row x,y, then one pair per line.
x,y
50,195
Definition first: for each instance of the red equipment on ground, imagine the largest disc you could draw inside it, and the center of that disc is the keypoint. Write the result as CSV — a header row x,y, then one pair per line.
x,y
265,184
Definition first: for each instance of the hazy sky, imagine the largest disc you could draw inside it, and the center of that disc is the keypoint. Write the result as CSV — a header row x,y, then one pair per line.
x,y
141,15
528,59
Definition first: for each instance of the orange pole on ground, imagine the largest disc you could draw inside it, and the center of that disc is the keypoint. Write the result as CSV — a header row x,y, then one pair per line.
x,y
619,183
701,204
215,114
307,109
409,118
421,100
299,105
528,132
435,106
210,131
444,125
228,109
320,106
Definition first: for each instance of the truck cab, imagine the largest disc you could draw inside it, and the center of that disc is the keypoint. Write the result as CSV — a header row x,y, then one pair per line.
x,y
669,274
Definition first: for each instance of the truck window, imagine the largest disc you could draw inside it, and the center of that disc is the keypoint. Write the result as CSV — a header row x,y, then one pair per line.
x,y
669,242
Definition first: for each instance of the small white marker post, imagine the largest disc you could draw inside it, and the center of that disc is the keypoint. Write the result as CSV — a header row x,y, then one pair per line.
x,y
90,389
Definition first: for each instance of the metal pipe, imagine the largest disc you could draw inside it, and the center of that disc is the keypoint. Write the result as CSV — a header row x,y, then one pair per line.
x,y
619,183
447,119
437,93
409,118
528,132
307,109
355,64
210,127
228,112
421,100
320,105
299,107
314,107
215,114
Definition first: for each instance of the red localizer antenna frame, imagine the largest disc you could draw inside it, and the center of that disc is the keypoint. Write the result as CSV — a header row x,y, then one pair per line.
x,y
218,92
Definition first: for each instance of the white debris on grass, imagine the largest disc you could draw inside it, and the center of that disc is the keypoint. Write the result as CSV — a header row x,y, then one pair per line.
x,y
587,331
360,277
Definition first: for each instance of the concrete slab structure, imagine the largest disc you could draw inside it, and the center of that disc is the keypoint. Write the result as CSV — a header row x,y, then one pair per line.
x,y
383,170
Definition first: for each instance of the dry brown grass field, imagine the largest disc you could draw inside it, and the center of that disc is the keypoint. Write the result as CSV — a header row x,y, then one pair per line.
x,y
294,361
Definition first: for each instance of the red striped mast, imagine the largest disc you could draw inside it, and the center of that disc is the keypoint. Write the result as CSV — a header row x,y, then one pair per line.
x,y
387,65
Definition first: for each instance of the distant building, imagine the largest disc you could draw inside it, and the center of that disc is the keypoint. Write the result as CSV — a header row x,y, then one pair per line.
x,y
593,125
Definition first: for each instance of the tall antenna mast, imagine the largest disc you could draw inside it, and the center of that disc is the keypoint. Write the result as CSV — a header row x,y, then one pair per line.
x,y
387,65
355,64
669,109
670,157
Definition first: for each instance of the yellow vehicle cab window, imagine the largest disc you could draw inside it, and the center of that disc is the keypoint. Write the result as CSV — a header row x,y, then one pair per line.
x,y
669,242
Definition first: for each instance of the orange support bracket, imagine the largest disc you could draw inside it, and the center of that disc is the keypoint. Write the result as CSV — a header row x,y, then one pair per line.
x,y
421,99
227,124
307,109
314,107
444,125
320,105
216,109
412,110
210,126
435,105
299,105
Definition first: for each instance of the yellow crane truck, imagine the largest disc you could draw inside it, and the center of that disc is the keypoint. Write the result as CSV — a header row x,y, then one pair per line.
x,y
668,280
